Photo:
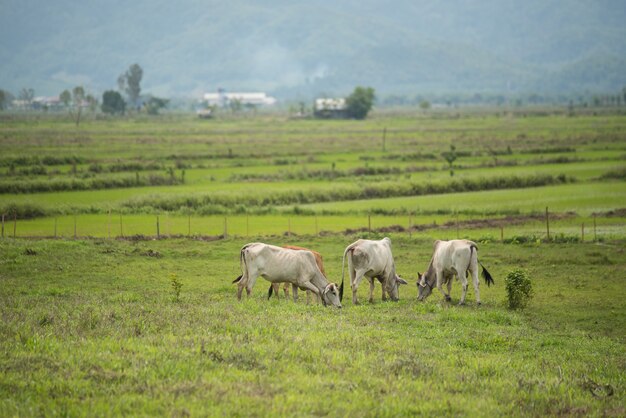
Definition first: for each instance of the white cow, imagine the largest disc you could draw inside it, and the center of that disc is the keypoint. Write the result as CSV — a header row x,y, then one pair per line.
x,y
451,258
278,265
373,260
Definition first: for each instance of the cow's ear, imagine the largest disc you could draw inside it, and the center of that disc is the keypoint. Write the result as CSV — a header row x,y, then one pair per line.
x,y
421,280
401,280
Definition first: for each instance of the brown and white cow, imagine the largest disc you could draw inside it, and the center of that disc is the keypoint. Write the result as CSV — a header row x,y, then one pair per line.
x,y
450,258
280,265
372,260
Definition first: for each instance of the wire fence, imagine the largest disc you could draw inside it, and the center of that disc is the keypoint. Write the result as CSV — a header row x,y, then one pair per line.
x,y
120,225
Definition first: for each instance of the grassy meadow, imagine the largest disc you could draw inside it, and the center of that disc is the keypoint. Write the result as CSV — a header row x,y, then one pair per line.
x,y
104,220
93,328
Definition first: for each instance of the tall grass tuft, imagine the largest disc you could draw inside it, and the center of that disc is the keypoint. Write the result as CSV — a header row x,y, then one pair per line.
x,y
177,285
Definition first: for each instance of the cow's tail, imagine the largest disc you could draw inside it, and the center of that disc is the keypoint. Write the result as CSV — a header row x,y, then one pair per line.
x,y
242,263
349,248
343,263
486,275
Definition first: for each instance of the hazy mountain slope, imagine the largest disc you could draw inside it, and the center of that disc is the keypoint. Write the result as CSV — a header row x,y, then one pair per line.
x,y
306,48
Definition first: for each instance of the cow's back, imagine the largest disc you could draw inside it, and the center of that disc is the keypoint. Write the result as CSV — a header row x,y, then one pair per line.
x,y
318,257
451,253
278,264
372,255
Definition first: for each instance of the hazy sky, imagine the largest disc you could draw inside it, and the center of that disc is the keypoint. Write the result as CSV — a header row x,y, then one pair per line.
x,y
307,47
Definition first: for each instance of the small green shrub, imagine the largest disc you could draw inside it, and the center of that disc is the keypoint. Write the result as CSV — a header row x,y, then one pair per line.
x,y
519,289
176,286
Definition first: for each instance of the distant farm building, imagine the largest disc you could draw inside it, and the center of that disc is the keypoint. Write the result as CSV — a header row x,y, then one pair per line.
x,y
224,99
330,108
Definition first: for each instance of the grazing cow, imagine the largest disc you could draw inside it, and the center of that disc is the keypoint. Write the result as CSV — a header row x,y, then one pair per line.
x,y
274,287
451,258
373,260
279,265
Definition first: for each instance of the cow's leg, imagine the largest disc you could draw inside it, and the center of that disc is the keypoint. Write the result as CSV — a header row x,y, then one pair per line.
x,y
239,289
276,289
474,273
250,285
243,282
371,279
251,280
308,297
286,289
463,279
440,276
309,287
358,276
294,290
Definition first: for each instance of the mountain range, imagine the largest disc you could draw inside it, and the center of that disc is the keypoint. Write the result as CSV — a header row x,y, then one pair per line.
x,y
301,49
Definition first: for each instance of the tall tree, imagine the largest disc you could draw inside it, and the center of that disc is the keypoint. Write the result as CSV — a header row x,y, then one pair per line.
x,y
450,157
27,96
78,98
66,97
5,99
360,102
130,83
155,104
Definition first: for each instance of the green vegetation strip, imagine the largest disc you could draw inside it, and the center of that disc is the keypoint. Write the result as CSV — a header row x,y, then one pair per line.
x,y
96,328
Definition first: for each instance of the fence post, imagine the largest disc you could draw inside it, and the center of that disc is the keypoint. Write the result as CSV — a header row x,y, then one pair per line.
x,y
74,226
384,138
247,226
595,236
3,225
316,227
547,223
55,227
189,226
582,232
369,223
109,224
225,227
289,227
121,226
457,225
14,224
410,223
158,228
501,233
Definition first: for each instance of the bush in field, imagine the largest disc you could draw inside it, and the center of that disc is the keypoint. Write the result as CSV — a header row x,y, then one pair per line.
x,y
113,103
360,102
519,289
176,286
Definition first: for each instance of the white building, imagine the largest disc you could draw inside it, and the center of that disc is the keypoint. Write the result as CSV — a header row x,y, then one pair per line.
x,y
330,108
223,98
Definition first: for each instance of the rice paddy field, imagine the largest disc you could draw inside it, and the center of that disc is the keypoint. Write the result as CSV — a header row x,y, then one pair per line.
x,y
102,223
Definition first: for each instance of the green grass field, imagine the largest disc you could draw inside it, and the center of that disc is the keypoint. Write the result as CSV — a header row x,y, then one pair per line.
x,y
92,328
91,325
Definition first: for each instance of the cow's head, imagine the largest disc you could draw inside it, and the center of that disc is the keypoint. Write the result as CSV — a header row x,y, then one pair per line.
x,y
424,286
330,295
391,286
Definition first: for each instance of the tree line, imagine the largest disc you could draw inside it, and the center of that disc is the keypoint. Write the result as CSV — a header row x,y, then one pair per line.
x,y
115,102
